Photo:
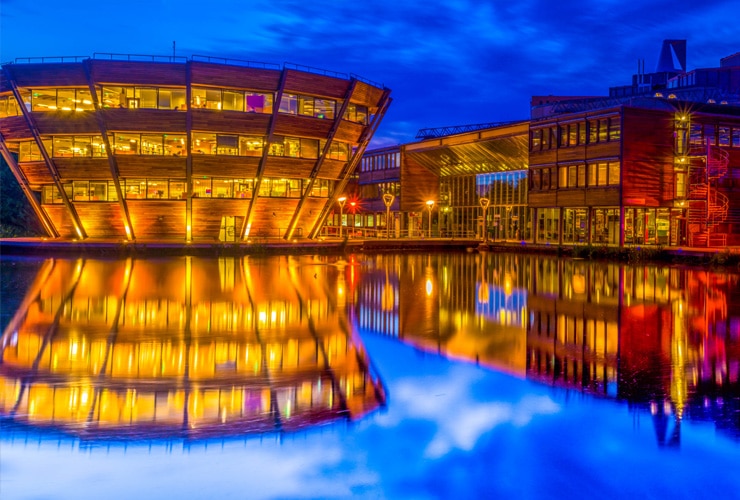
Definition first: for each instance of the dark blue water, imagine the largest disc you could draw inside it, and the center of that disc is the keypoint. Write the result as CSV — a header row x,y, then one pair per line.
x,y
417,376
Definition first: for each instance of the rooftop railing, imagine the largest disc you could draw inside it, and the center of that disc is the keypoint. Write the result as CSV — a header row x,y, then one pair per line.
x,y
202,58
430,133
138,57
49,59
316,71
235,62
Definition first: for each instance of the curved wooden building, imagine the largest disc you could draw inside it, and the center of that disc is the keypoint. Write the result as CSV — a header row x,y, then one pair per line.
x,y
191,148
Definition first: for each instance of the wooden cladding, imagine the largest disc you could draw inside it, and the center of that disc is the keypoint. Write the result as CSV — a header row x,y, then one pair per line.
x,y
138,73
36,172
66,123
15,127
216,75
349,132
366,95
157,218
425,186
48,75
81,169
331,169
302,126
61,219
101,219
298,82
288,167
648,157
234,122
153,167
238,167
144,120
208,213
270,218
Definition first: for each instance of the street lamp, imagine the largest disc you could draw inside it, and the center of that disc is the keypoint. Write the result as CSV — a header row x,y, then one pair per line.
x,y
353,205
341,210
388,200
484,202
430,206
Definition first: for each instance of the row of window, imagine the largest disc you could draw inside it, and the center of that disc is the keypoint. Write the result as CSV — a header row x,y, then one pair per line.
x,y
92,146
724,136
176,189
80,99
575,176
376,191
381,161
575,134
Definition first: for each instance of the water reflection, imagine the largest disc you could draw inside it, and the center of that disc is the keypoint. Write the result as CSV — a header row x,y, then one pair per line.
x,y
665,339
183,348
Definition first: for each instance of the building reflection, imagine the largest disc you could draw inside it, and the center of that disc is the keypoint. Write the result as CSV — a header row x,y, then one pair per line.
x,y
183,348
664,339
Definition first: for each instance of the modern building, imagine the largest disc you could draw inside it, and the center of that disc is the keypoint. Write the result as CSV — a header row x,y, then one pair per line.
x,y
441,183
190,148
654,163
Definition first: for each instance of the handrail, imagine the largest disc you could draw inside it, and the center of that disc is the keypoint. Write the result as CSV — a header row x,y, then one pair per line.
x,y
429,133
138,57
33,60
368,81
316,71
235,62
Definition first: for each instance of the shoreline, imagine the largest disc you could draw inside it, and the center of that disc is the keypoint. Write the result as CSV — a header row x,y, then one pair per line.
x,y
42,247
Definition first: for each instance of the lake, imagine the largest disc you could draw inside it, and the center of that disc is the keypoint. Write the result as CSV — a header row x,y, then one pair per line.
x,y
446,375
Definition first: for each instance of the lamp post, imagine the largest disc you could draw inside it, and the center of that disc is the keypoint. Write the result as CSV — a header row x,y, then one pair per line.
x,y
388,200
484,202
430,206
341,213
352,205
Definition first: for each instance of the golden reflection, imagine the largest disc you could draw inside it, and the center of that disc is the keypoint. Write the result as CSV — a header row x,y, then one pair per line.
x,y
183,348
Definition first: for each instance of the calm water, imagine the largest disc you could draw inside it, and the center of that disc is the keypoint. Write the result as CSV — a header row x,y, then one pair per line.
x,y
391,376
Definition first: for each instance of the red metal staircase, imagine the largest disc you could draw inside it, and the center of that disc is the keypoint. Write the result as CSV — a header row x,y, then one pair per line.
x,y
707,205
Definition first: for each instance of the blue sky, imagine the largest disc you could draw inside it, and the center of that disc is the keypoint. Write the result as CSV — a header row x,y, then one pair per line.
x,y
447,62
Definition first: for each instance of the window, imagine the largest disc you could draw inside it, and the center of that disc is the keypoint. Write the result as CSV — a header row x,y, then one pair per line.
x,y
152,144
233,100
573,134
80,191
563,177
724,136
337,151
680,185
99,191
563,130
156,189
572,176
582,133
356,113
243,188
223,188
581,175
62,146
602,175
615,129
536,140
603,130
29,151
178,189
174,145
289,104
593,131
695,134
736,137
614,173
9,107
202,188
204,143
592,174
135,189
250,146
125,144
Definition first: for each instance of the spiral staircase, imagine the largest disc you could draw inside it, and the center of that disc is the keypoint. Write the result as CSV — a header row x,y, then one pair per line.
x,y
708,207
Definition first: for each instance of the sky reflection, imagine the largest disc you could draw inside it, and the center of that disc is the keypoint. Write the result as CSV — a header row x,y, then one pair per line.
x,y
472,409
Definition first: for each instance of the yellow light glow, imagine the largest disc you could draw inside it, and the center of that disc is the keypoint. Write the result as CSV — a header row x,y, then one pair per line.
x,y
429,287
